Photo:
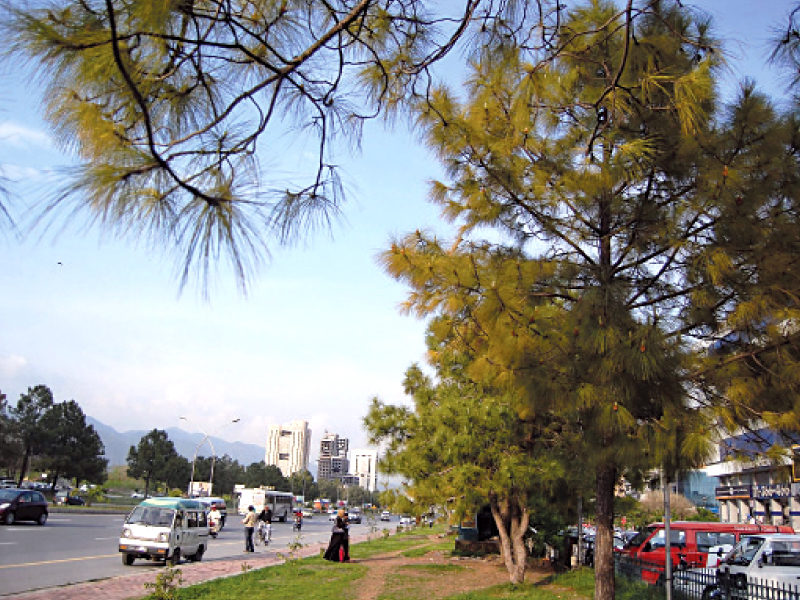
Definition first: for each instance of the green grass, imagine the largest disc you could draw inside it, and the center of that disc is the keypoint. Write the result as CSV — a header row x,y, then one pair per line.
x,y
310,579
317,579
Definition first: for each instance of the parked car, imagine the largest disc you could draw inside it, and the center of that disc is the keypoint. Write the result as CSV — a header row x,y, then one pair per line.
x,y
407,521
386,515
763,561
63,497
22,505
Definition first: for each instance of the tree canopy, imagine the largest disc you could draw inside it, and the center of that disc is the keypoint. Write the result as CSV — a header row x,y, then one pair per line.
x,y
179,111
463,445
638,222
152,459
52,436
75,449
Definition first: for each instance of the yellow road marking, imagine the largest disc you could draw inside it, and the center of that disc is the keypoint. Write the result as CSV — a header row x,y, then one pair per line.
x,y
62,560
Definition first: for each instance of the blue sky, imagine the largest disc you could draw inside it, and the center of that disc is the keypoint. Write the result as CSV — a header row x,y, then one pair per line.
x,y
100,320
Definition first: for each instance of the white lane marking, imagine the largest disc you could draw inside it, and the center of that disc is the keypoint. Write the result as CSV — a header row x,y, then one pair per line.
x,y
116,537
8,543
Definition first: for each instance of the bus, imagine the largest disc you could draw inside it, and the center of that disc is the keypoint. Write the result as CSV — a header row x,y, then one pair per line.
x,y
281,503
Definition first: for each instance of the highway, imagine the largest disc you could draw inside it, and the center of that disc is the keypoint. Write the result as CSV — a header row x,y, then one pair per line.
x,y
75,547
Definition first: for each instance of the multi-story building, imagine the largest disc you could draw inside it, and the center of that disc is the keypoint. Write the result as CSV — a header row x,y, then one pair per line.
x,y
333,463
751,486
365,467
288,447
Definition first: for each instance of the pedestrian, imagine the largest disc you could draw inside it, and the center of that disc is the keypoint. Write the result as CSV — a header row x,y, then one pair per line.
x,y
339,546
249,522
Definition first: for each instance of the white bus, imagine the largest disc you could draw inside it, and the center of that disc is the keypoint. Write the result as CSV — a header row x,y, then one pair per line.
x,y
280,502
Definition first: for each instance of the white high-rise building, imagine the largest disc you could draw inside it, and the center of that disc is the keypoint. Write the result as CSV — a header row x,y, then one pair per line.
x,y
288,447
365,467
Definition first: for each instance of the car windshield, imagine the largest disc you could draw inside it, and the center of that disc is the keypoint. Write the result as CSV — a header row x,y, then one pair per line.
x,y
640,537
151,515
746,551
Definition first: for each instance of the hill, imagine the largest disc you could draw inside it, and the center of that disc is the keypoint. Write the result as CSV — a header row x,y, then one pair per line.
x,y
118,443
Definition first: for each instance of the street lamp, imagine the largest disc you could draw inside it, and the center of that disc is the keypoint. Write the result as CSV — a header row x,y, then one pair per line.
x,y
213,452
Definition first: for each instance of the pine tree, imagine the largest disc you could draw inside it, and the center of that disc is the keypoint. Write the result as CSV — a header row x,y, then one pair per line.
x,y
463,443
635,220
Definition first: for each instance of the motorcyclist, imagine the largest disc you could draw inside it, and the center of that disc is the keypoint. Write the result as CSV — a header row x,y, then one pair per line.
x,y
265,523
214,520
298,520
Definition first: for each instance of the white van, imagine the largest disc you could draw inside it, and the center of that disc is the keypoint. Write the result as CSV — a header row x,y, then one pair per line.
x,y
763,561
165,529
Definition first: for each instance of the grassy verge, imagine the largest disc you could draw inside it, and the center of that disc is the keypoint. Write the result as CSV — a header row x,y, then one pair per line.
x,y
317,579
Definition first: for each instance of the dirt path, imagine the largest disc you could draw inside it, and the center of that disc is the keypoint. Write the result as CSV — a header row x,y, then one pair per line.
x,y
435,575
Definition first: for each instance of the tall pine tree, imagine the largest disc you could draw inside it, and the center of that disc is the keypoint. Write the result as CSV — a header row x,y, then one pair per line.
x,y
635,221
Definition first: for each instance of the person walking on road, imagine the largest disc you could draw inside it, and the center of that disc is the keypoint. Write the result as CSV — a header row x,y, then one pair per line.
x,y
339,546
249,522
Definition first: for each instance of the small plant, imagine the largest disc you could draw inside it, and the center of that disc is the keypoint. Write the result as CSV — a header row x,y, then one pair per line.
x,y
246,567
294,548
386,533
166,585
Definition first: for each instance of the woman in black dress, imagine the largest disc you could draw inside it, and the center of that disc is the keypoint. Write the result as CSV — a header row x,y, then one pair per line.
x,y
339,546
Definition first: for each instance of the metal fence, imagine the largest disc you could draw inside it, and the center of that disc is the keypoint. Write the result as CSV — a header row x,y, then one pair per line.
x,y
703,584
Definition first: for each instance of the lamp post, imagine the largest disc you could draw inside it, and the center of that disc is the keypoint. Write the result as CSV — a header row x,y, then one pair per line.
x,y
213,451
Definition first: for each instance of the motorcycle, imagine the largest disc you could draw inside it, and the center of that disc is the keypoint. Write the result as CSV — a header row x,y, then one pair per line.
x,y
213,528
298,523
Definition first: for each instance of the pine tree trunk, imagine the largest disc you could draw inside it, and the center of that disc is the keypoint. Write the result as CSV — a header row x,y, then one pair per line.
x,y
512,521
604,584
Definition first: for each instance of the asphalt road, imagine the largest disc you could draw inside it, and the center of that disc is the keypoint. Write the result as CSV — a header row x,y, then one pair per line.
x,y
75,547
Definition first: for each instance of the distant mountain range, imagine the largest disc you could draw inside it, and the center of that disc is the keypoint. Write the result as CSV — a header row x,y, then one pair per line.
x,y
118,443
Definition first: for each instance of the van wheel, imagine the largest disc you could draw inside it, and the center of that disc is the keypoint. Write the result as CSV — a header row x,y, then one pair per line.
x,y
42,518
127,559
175,559
10,518
198,556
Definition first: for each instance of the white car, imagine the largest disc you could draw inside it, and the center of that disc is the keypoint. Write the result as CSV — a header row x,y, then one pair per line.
x,y
386,515
767,560
407,521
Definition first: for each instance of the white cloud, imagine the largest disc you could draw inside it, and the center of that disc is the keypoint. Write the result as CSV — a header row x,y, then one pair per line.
x,y
23,137
23,173
11,366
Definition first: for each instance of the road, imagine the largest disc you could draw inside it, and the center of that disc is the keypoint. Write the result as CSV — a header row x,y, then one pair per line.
x,y
76,547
